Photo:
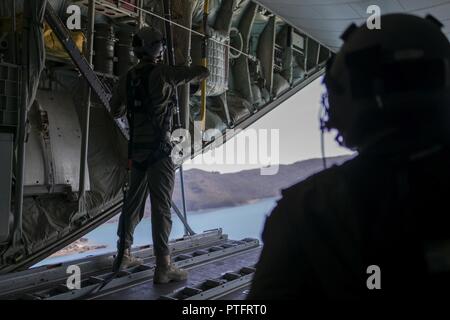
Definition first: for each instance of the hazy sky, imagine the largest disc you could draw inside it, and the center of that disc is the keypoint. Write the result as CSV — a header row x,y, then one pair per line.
x,y
299,136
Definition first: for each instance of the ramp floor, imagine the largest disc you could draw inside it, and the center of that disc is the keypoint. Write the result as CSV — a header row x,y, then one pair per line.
x,y
197,274
218,268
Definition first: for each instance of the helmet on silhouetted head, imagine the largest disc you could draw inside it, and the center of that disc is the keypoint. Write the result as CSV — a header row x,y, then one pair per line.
x,y
394,77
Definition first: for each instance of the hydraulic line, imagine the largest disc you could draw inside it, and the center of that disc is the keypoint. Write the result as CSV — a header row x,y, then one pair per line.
x,y
87,112
171,60
205,64
171,55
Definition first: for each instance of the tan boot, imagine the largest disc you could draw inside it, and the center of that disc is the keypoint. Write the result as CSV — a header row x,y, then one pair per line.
x,y
129,260
166,272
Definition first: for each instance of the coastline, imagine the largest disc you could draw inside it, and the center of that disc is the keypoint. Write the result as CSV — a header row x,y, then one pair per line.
x,y
80,246
85,244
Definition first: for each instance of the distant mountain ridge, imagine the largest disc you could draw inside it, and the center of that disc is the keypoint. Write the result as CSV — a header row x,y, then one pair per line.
x,y
207,190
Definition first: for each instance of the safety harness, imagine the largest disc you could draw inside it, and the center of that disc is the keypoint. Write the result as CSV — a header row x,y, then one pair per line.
x,y
139,103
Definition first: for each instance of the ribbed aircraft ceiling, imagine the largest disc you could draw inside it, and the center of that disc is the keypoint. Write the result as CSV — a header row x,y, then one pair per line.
x,y
325,20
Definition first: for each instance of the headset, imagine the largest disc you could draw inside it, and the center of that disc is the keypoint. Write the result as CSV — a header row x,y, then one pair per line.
x,y
149,42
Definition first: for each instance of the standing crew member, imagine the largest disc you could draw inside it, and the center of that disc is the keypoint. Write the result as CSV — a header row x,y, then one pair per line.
x,y
145,95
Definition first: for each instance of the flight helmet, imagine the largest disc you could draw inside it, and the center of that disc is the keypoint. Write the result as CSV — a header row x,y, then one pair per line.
x,y
394,77
149,43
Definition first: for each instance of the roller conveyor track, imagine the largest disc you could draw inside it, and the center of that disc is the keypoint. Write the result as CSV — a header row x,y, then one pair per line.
x,y
199,275
215,288
200,254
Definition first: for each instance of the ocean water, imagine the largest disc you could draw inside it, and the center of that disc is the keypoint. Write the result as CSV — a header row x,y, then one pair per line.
x,y
238,222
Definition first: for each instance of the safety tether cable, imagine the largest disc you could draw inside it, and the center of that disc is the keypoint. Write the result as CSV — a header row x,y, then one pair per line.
x,y
175,24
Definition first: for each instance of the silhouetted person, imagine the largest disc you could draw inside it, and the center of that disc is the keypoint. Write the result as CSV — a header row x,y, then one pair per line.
x,y
382,218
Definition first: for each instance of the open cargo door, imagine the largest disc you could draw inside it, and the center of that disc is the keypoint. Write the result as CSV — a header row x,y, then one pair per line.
x,y
257,61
